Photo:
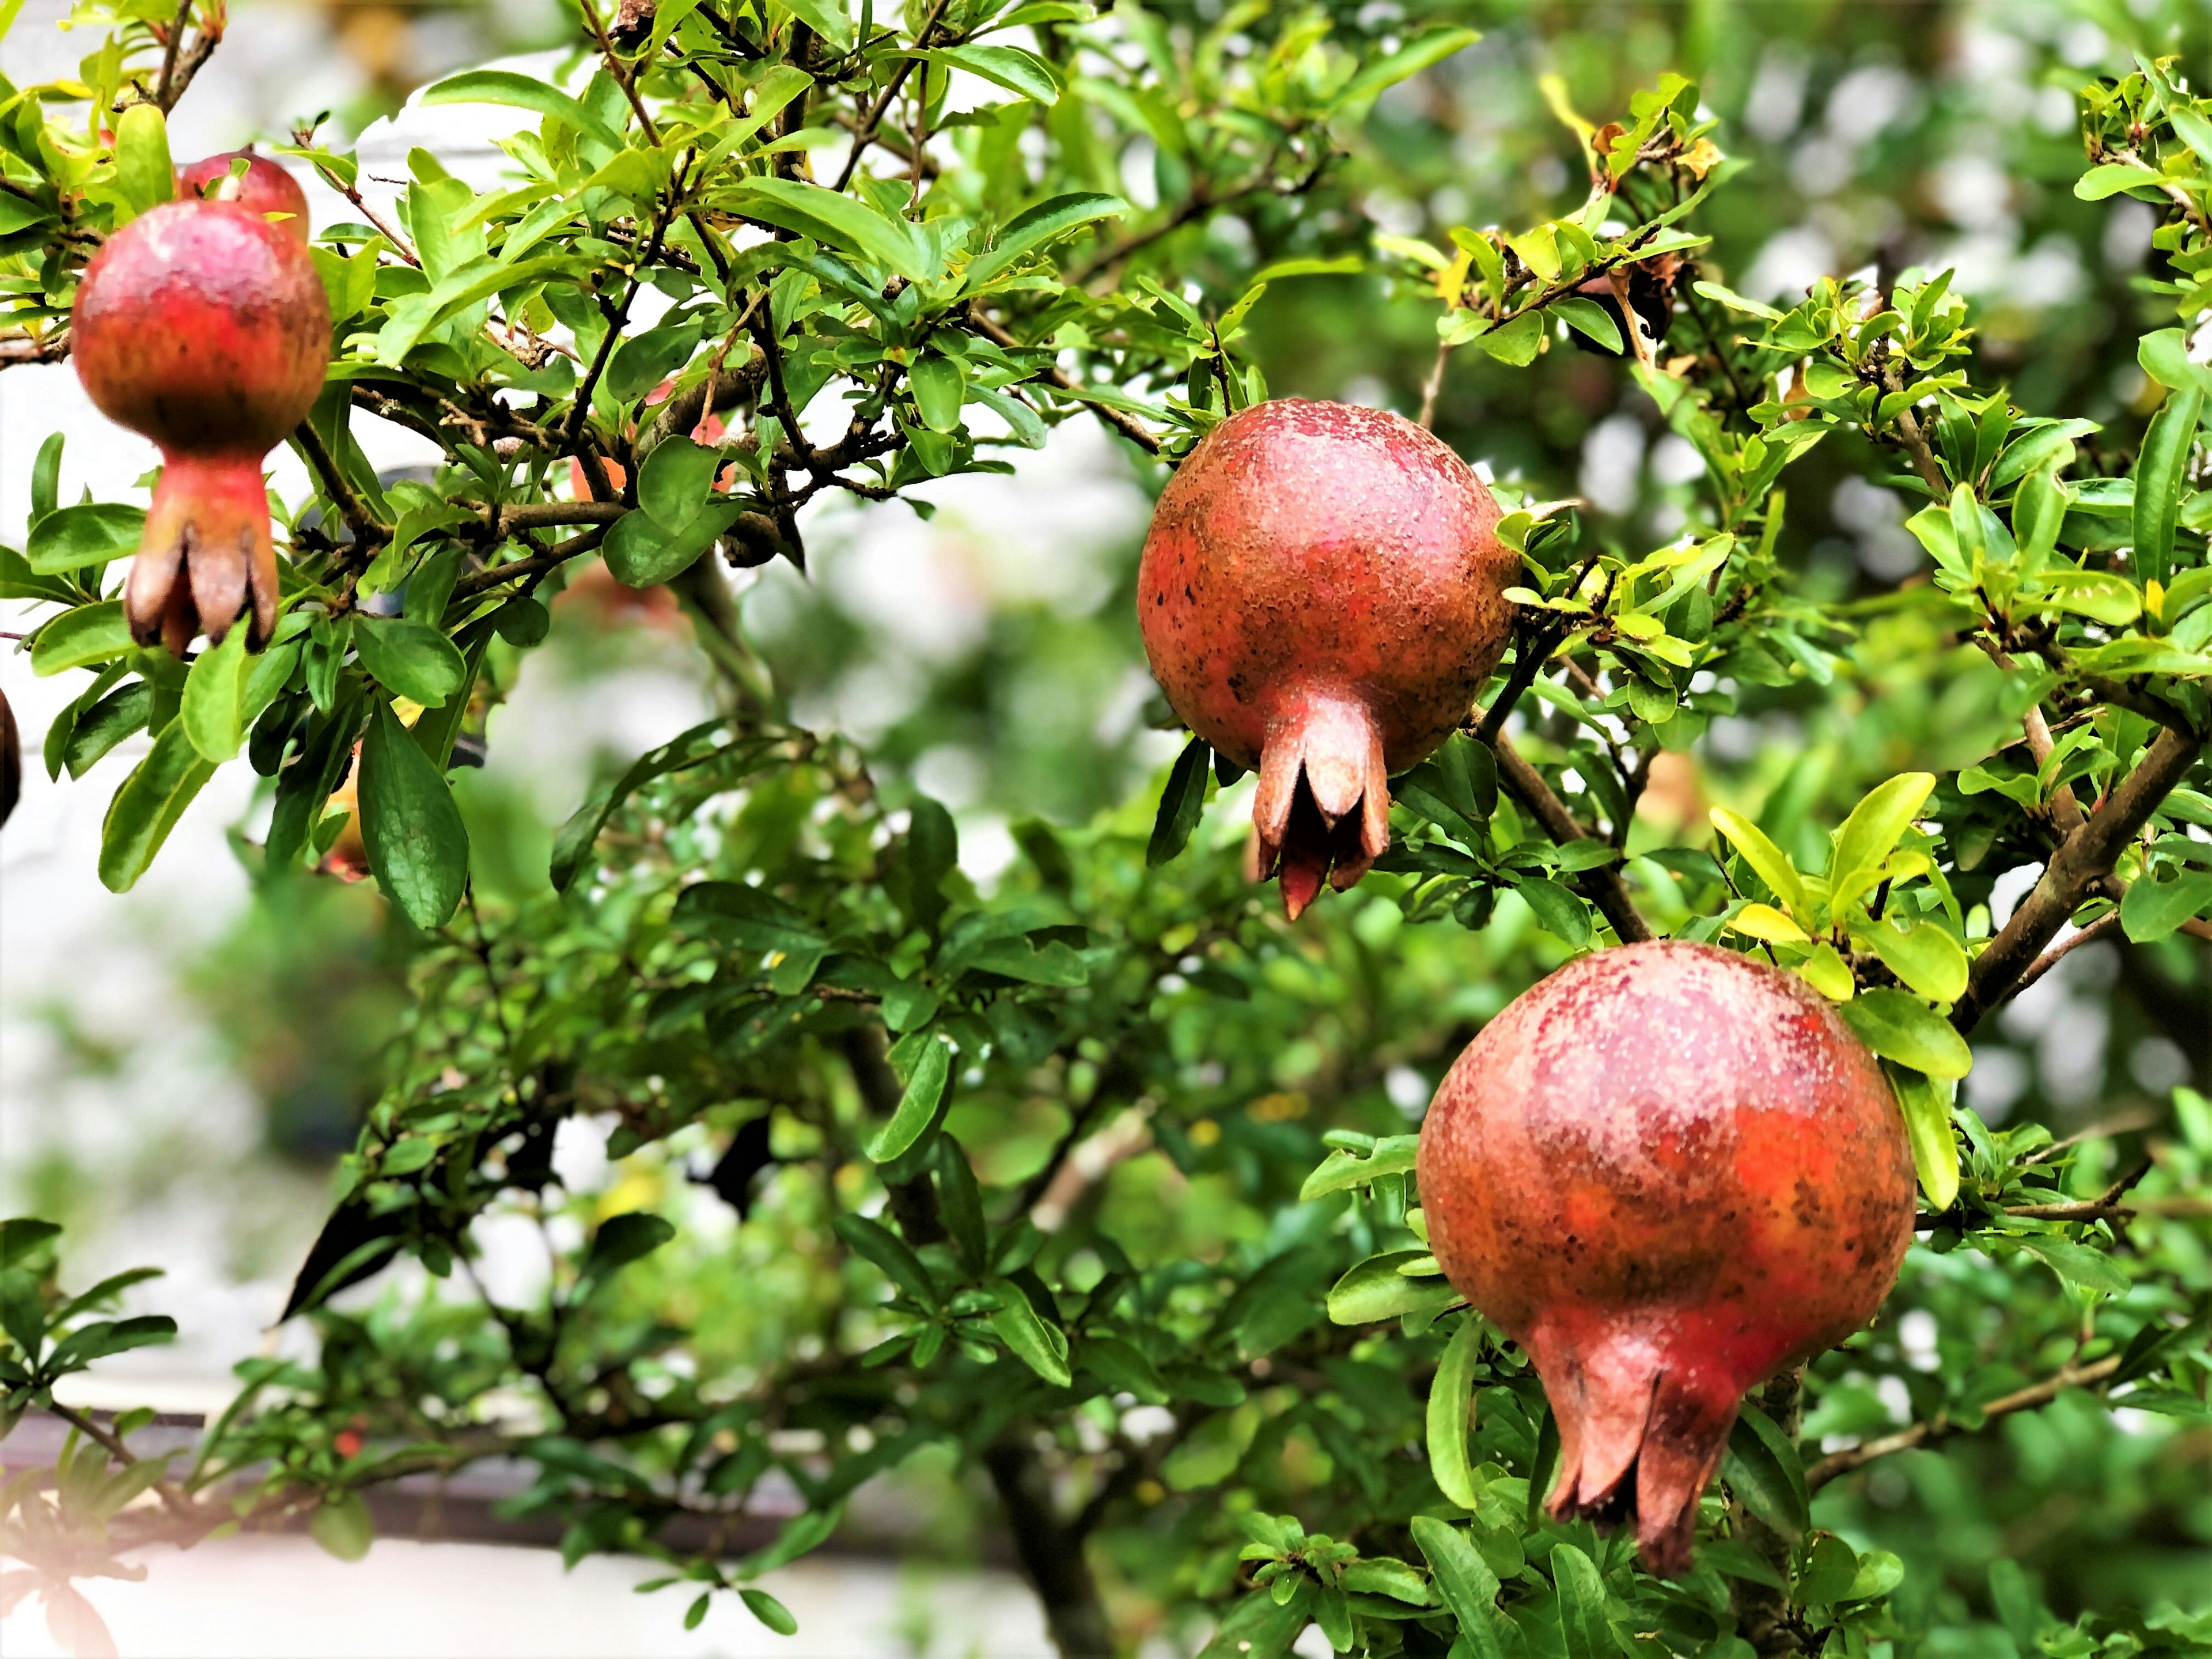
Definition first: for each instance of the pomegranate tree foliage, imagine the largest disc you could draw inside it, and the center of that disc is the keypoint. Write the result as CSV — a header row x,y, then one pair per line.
x,y
908,228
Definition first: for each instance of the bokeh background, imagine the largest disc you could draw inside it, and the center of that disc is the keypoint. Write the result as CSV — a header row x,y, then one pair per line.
x,y
178,1070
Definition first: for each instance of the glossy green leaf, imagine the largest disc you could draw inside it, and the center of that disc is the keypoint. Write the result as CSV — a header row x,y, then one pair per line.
x,y
917,1107
1181,804
2161,469
148,806
1763,1469
1584,1631
215,696
418,846
876,1241
842,222
410,659
1045,223
1036,1342
1375,1290
1904,1029
1871,833
1765,857
1468,1587
77,639
1451,1402
1926,1104
1924,956
76,537
2152,909
522,91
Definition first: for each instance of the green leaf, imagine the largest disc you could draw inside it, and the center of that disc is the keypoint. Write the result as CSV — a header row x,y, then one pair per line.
x,y
1762,1468
144,173
917,1107
2152,909
2161,469
342,1527
622,1239
828,18
77,639
938,390
1468,1587
1032,230
574,844
87,1343
1261,1627
22,1234
1589,318
1926,1104
1582,1627
1560,912
1420,53
1342,1168
1451,1398
1765,857
2077,1264
1925,956
842,222
1904,1029
213,707
1181,804
1516,342
1375,1290
148,806
1871,833
410,659
1036,1342
876,1241
932,848
1023,73
769,1611
521,92
2111,178
2164,354
76,537
417,845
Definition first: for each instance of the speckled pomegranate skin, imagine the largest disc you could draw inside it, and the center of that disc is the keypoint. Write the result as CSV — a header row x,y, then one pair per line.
x,y
1321,595
265,188
1667,1172
204,326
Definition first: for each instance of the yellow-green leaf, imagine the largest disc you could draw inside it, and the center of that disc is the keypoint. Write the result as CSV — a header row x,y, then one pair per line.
x,y
1774,868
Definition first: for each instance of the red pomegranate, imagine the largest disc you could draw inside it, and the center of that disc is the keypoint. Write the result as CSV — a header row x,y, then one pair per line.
x,y
204,326
265,187
1321,595
1667,1172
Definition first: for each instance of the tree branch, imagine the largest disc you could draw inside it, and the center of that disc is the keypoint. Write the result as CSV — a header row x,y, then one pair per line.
x,y
2085,858
1942,1428
1602,886
1126,425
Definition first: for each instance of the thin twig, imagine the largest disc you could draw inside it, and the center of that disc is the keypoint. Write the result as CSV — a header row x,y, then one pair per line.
x,y
867,134
1127,425
368,531
1602,885
2057,953
1942,1428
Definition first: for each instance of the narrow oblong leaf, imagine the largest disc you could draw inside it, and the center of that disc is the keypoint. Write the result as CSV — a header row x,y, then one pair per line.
x,y
917,1107
1041,224
1902,1028
212,710
521,91
148,806
1036,1341
2162,468
1375,1289
409,658
1926,1104
1763,1469
1181,804
1451,1397
1466,1586
76,639
1870,834
76,537
876,1241
1768,859
1584,1631
417,845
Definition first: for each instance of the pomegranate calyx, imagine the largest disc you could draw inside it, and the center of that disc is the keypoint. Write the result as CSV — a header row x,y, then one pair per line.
x,y
1323,806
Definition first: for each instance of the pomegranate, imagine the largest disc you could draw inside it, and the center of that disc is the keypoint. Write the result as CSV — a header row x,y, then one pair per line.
x,y
204,326
265,187
1322,594
1667,1172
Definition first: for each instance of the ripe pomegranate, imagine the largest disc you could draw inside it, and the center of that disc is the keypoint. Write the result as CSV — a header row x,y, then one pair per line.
x,y
1321,595
1667,1172
204,326
265,187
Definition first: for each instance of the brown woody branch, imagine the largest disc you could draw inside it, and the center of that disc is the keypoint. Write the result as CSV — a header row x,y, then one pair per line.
x,y
2083,860
1127,425
1942,1428
865,134
369,532
1601,886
